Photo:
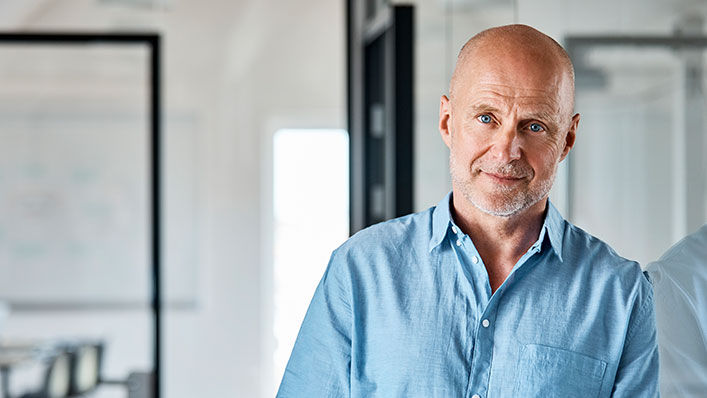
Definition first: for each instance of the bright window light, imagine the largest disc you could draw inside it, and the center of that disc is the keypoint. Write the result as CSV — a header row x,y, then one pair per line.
x,y
311,219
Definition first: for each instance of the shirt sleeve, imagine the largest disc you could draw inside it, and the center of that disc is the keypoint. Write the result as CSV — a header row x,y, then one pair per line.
x,y
320,364
637,374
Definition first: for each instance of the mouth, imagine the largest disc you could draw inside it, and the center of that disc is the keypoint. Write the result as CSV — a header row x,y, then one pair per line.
x,y
503,179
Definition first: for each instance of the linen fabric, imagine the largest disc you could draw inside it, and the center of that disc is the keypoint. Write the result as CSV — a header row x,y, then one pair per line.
x,y
405,309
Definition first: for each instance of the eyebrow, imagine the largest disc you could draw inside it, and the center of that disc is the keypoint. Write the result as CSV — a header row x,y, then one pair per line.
x,y
483,107
544,116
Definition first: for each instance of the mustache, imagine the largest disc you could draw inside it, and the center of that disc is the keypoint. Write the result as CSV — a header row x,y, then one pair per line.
x,y
514,169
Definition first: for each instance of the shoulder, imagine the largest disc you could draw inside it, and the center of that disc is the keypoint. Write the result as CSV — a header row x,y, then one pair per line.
x,y
406,231
690,249
604,266
681,273
618,285
579,244
378,250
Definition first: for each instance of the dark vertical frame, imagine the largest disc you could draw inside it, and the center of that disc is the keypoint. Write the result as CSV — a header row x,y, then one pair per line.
x,y
152,41
403,73
354,85
380,55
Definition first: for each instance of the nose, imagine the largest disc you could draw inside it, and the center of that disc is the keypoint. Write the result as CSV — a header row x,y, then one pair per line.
x,y
506,144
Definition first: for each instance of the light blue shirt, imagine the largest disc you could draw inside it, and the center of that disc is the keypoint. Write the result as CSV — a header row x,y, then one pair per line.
x,y
680,285
405,309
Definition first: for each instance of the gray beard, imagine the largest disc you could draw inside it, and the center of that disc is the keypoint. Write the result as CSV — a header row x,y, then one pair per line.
x,y
510,203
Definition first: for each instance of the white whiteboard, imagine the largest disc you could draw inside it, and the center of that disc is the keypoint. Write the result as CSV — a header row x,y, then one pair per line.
x,y
75,180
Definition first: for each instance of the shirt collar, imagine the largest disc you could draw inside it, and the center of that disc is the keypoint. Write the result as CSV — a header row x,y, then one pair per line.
x,y
441,219
553,227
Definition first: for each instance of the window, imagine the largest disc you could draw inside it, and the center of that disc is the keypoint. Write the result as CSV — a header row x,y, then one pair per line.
x,y
311,219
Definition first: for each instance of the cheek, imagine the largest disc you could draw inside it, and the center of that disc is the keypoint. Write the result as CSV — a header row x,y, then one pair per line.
x,y
546,159
539,152
468,143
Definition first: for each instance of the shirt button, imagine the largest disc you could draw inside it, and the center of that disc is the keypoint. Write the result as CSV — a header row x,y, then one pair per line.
x,y
459,242
454,229
476,396
475,260
485,323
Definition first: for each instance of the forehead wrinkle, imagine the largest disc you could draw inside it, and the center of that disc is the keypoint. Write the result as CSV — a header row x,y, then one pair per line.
x,y
507,91
491,84
549,96
506,103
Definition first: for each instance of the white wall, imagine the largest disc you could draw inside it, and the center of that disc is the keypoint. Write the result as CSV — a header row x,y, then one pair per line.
x,y
235,68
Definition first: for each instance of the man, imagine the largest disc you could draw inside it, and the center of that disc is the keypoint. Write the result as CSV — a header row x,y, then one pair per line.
x,y
680,282
490,293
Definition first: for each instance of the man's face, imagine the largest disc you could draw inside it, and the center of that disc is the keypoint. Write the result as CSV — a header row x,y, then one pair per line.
x,y
507,128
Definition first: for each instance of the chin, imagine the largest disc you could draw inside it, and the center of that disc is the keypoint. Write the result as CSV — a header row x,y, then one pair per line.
x,y
500,211
502,205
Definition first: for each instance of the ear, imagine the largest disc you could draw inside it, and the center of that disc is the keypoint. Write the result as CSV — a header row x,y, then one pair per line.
x,y
570,137
445,113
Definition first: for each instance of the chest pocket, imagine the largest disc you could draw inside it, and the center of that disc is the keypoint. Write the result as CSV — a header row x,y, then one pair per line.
x,y
554,372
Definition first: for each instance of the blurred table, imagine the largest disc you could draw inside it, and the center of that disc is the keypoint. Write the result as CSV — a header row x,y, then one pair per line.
x,y
13,355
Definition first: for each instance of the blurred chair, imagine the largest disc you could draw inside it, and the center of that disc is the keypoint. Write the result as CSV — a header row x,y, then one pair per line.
x,y
86,362
73,370
57,379
680,285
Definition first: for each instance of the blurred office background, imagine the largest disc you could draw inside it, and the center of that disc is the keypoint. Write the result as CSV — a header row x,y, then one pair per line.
x,y
255,167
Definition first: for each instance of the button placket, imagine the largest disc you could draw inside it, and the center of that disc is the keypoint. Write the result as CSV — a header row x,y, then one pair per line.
x,y
481,366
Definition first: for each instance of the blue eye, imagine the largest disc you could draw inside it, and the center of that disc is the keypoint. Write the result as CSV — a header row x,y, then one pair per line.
x,y
535,127
484,119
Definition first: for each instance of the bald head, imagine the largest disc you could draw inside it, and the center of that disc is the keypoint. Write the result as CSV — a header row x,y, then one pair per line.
x,y
508,123
520,46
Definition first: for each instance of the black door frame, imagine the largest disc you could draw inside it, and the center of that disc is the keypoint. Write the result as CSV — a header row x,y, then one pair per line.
x,y
380,71
152,41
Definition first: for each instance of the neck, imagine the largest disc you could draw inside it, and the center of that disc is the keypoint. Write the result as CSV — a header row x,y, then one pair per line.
x,y
501,241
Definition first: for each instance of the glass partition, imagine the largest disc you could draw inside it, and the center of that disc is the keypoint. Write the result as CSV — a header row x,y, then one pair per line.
x,y
642,184
75,213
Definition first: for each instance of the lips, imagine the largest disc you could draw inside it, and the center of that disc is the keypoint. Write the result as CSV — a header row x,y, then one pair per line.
x,y
504,173
503,176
